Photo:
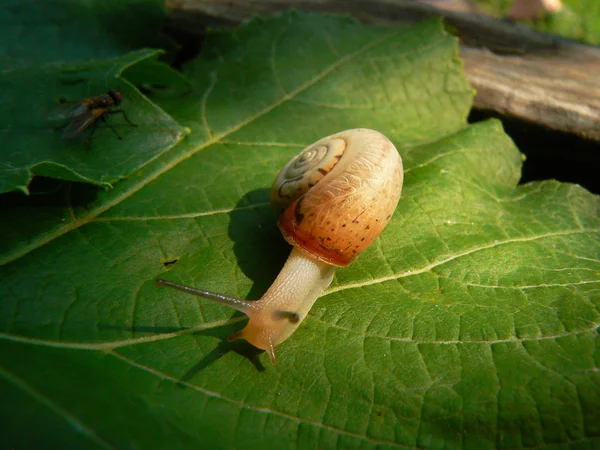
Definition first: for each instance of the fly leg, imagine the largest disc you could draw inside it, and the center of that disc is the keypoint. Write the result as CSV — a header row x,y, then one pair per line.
x,y
89,140
111,127
120,111
95,127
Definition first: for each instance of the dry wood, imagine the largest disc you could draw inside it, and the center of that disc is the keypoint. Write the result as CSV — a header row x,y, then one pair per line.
x,y
517,72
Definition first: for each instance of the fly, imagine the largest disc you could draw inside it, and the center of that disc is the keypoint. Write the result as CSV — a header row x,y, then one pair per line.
x,y
85,113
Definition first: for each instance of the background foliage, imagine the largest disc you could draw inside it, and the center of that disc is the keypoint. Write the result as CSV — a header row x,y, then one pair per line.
x,y
578,19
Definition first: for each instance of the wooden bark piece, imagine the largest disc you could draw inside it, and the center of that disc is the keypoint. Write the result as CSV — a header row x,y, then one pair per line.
x,y
559,90
517,72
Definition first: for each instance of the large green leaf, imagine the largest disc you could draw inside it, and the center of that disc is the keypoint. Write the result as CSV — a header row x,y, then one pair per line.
x,y
471,322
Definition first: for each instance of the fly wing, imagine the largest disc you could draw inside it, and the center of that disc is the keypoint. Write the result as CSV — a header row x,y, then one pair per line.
x,y
81,122
68,110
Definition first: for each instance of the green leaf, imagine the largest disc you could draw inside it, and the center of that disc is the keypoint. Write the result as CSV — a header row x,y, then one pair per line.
x,y
34,144
51,50
470,323
157,79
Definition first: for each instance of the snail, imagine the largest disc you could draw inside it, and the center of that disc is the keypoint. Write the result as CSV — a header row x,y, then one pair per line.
x,y
336,196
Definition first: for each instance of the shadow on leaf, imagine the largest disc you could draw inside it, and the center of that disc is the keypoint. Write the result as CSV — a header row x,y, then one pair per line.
x,y
44,191
260,251
259,248
240,347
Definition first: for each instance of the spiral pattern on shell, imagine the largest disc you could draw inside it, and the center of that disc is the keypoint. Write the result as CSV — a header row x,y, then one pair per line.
x,y
304,171
338,194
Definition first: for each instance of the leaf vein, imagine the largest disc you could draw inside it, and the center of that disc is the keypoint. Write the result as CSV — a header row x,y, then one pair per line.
x,y
435,264
204,101
182,216
58,410
257,409
412,340
111,345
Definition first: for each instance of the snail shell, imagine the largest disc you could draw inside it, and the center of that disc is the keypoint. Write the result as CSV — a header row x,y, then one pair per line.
x,y
338,194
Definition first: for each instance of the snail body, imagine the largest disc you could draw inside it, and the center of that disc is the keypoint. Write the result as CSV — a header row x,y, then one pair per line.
x,y
336,196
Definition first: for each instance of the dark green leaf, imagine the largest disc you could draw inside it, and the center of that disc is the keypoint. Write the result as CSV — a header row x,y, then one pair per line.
x,y
34,32
34,144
